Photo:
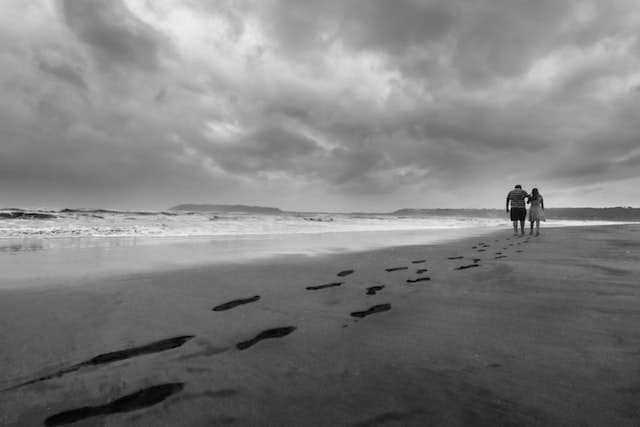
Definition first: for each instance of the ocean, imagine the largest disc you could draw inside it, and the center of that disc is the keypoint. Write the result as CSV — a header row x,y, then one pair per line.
x,y
45,247
94,223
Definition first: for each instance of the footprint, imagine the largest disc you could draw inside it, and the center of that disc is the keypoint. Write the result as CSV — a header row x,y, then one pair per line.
x,y
345,273
456,257
396,269
481,250
476,260
464,267
494,365
501,256
372,290
519,251
141,399
419,261
236,302
154,347
498,253
269,333
419,279
474,247
375,309
328,285
422,270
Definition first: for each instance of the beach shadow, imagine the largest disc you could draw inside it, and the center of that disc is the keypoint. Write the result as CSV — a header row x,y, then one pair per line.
x,y
345,273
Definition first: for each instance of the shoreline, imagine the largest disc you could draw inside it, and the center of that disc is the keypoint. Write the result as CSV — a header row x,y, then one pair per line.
x,y
25,265
63,261
544,336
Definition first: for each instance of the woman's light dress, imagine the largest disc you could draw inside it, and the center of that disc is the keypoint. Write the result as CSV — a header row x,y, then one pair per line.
x,y
535,211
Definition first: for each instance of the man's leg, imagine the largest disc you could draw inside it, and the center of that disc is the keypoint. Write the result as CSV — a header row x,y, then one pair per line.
x,y
515,228
522,227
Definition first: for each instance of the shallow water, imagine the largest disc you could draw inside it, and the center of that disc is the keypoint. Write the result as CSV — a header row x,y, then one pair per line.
x,y
26,262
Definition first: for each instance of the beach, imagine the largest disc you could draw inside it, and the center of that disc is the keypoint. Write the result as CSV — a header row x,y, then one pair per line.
x,y
490,330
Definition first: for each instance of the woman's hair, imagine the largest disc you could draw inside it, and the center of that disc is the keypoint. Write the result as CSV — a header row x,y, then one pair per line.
x,y
535,194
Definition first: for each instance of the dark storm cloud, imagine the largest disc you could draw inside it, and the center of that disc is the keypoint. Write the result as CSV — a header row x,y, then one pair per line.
x,y
308,102
114,34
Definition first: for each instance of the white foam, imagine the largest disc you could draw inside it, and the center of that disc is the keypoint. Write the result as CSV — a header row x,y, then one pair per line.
x,y
187,225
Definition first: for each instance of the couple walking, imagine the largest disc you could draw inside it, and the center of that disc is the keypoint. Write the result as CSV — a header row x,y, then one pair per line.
x,y
517,197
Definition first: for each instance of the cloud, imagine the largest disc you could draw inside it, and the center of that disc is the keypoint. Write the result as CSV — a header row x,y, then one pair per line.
x,y
354,105
114,34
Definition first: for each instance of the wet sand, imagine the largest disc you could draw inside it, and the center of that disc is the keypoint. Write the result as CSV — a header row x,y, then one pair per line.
x,y
488,331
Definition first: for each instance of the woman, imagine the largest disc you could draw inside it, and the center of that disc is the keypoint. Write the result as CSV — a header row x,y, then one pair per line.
x,y
536,212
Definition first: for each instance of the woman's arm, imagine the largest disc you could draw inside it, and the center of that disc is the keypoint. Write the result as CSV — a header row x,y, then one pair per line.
x,y
542,203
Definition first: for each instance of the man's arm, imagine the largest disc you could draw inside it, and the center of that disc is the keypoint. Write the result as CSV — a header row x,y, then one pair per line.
x,y
507,203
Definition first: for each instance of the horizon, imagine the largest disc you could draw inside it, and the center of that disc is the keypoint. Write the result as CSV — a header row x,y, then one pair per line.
x,y
345,106
393,210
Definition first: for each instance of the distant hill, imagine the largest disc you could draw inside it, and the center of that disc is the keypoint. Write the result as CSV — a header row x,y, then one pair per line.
x,y
604,214
225,208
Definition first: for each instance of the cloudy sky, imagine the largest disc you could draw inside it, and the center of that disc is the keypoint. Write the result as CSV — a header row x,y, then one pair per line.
x,y
319,105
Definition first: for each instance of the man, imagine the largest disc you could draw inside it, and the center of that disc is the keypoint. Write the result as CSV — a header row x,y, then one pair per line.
x,y
518,209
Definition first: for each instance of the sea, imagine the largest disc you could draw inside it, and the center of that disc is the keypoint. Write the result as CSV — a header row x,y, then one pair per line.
x,y
95,223
37,245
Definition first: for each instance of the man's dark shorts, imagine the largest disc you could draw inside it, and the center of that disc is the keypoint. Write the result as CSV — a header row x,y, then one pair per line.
x,y
518,214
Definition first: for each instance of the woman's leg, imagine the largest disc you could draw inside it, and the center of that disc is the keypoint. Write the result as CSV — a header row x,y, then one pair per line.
x,y
537,227
531,231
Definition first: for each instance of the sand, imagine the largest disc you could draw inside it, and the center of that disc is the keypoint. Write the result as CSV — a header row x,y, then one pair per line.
x,y
492,331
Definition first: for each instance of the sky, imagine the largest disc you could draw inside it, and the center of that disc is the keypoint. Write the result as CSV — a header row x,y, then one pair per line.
x,y
352,105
